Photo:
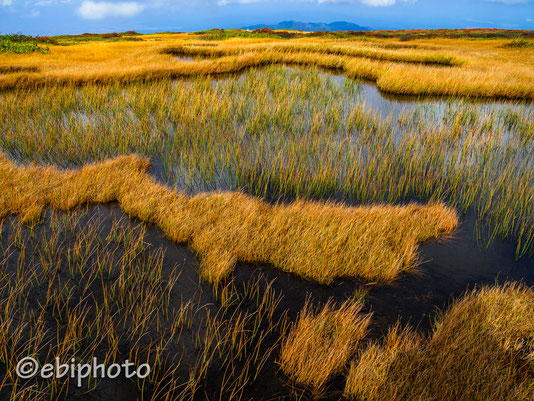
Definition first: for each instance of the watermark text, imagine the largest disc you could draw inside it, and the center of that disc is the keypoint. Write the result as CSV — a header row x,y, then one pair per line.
x,y
29,367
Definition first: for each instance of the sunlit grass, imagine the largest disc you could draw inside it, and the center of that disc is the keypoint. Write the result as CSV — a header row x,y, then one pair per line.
x,y
277,165
433,67
314,240
481,349
331,49
320,343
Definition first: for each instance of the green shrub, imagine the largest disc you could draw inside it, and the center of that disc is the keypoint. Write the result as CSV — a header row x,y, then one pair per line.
x,y
519,43
20,44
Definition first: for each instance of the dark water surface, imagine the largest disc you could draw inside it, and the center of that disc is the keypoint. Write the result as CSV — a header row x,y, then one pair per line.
x,y
448,268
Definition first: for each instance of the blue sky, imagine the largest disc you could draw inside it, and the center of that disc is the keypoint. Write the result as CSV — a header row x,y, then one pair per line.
x,y
51,17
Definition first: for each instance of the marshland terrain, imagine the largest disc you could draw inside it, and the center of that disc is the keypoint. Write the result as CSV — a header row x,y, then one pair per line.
x,y
270,215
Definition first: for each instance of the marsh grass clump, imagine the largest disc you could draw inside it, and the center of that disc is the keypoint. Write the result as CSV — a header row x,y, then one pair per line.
x,y
317,241
310,49
481,349
283,134
320,343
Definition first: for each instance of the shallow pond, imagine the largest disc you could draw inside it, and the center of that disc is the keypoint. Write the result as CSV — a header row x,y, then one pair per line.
x,y
436,107
184,58
387,104
448,268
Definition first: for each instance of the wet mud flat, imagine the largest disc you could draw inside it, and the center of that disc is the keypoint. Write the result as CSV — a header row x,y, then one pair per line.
x,y
448,268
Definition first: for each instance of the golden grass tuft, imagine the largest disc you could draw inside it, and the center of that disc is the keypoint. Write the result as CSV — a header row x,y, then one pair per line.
x,y
482,349
317,241
320,345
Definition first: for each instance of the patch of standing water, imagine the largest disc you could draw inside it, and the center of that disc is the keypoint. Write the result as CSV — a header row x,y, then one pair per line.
x,y
185,58
449,267
432,107
387,104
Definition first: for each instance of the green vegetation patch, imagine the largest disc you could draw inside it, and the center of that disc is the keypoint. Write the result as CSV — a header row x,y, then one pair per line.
x,y
20,44
520,43
66,40
222,34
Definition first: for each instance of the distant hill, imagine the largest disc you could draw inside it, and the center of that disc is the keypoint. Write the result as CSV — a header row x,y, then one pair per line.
x,y
312,26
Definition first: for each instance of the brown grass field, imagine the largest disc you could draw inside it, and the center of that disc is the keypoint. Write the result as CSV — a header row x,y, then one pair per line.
x,y
437,66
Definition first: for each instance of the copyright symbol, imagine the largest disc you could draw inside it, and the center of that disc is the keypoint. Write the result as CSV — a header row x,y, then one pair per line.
x,y
27,368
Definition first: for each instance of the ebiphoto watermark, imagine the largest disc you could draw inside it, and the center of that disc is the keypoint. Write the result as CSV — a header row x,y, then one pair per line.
x,y
29,367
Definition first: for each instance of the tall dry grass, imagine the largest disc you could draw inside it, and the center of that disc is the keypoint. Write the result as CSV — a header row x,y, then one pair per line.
x,y
321,343
371,53
318,241
481,349
439,67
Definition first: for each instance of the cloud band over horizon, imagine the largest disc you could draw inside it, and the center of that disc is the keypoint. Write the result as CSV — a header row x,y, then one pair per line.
x,y
104,9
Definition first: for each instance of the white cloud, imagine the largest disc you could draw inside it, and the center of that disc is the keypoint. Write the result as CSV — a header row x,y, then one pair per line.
x,y
379,3
104,9
6,3
226,2
372,3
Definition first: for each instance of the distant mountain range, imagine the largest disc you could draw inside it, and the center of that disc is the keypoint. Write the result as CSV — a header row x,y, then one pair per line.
x,y
312,26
